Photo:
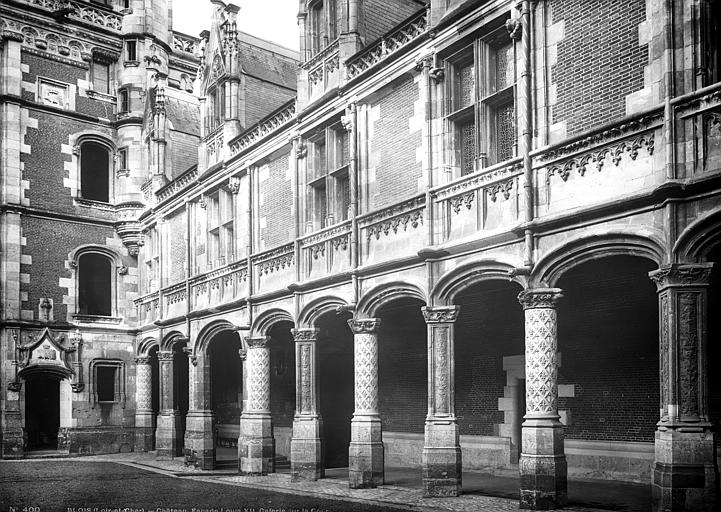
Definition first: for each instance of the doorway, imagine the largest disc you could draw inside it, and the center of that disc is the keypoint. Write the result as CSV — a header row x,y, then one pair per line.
x,y
42,412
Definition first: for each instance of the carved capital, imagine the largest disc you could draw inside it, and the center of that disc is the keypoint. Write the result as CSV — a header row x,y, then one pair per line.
x,y
440,314
142,360
697,274
305,335
257,342
540,298
122,270
77,387
165,355
364,325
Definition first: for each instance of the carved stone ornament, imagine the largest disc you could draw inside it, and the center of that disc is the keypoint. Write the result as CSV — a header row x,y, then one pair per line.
x,y
258,342
142,360
305,335
540,298
234,184
165,356
514,28
697,274
440,314
364,325
122,270
301,151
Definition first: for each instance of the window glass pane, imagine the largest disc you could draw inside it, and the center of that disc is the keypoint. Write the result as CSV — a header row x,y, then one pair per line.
x,y
504,67
321,205
506,132
465,85
94,287
106,383
319,162
130,47
344,192
101,77
94,181
468,147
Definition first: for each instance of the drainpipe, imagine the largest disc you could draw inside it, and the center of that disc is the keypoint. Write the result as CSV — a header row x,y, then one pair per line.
x,y
669,121
351,124
188,269
527,130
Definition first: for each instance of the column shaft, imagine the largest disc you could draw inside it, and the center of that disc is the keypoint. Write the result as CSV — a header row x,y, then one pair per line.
x,y
441,449
542,465
199,447
306,461
365,458
167,441
144,415
685,466
256,446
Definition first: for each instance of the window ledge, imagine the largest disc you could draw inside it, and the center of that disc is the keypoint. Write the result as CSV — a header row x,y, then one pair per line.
x,y
131,63
109,98
91,203
97,319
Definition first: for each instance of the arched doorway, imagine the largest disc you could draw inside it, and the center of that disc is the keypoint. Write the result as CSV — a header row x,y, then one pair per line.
x,y
42,411
335,387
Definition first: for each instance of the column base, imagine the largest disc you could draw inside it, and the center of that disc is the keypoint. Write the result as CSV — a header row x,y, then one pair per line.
x,y
199,446
144,439
256,446
442,464
542,466
168,442
684,474
365,453
13,443
306,455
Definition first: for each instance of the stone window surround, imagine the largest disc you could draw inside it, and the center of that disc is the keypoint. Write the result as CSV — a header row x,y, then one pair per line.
x,y
115,262
119,391
112,161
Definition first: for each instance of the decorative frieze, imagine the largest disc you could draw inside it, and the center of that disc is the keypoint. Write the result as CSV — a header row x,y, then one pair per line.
x,y
81,11
264,128
682,275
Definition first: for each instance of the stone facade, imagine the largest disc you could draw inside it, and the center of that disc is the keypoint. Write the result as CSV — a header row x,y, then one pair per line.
x,y
458,236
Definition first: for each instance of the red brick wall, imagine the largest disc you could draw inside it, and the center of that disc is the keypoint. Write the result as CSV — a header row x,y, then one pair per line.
x,y
397,171
184,154
277,207
599,60
381,16
262,98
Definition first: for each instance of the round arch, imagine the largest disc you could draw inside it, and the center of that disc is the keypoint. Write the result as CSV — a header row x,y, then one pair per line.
x,y
583,249
378,296
267,319
318,307
699,237
207,333
146,345
171,339
469,274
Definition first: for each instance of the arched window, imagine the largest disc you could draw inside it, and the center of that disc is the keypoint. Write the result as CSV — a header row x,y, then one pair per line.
x,y
94,171
94,285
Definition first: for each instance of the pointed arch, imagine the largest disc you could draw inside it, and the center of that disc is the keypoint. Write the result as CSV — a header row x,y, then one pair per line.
x,y
468,274
378,296
315,308
579,250
267,319
699,237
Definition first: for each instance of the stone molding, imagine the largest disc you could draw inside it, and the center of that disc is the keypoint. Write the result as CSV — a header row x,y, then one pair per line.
x,y
257,342
305,334
142,360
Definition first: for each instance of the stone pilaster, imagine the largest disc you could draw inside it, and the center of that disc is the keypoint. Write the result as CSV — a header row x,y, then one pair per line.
x,y
542,464
167,440
684,475
144,416
441,448
306,462
365,456
256,447
199,439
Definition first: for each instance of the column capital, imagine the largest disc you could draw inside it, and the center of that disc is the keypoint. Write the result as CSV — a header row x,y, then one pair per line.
x,y
364,325
165,355
440,314
257,341
681,274
142,359
540,298
305,334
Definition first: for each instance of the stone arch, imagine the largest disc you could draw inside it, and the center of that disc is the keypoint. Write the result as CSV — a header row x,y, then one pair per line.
x,y
384,293
318,307
699,238
267,319
171,339
146,345
586,248
468,274
207,333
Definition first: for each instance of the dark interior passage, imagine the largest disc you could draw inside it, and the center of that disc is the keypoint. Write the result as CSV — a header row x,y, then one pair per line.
x,y
714,343
181,387
42,412
402,366
335,386
608,339
282,374
226,382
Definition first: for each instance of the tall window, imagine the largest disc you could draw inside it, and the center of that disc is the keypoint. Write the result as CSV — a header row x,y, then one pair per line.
x,y
480,110
123,101
221,238
327,178
215,107
131,51
711,41
152,260
322,29
94,172
94,285
106,383
101,77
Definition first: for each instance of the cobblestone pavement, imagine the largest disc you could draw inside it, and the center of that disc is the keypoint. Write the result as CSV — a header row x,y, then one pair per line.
x,y
334,488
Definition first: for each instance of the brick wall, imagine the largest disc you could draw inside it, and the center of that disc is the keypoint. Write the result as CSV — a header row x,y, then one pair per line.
x,y
397,170
277,204
262,98
184,154
381,16
599,60
608,339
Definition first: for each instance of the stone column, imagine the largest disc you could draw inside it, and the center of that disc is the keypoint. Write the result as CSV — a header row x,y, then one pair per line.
x,y
441,449
684,474
167,441
543,463
306,461
199,449
144,416
365,456
256,446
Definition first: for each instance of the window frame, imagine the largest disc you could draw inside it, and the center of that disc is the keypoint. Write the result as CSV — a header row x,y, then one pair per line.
x,y
110,149
119,388
95,66
115,266
220,226
322,25
123,100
